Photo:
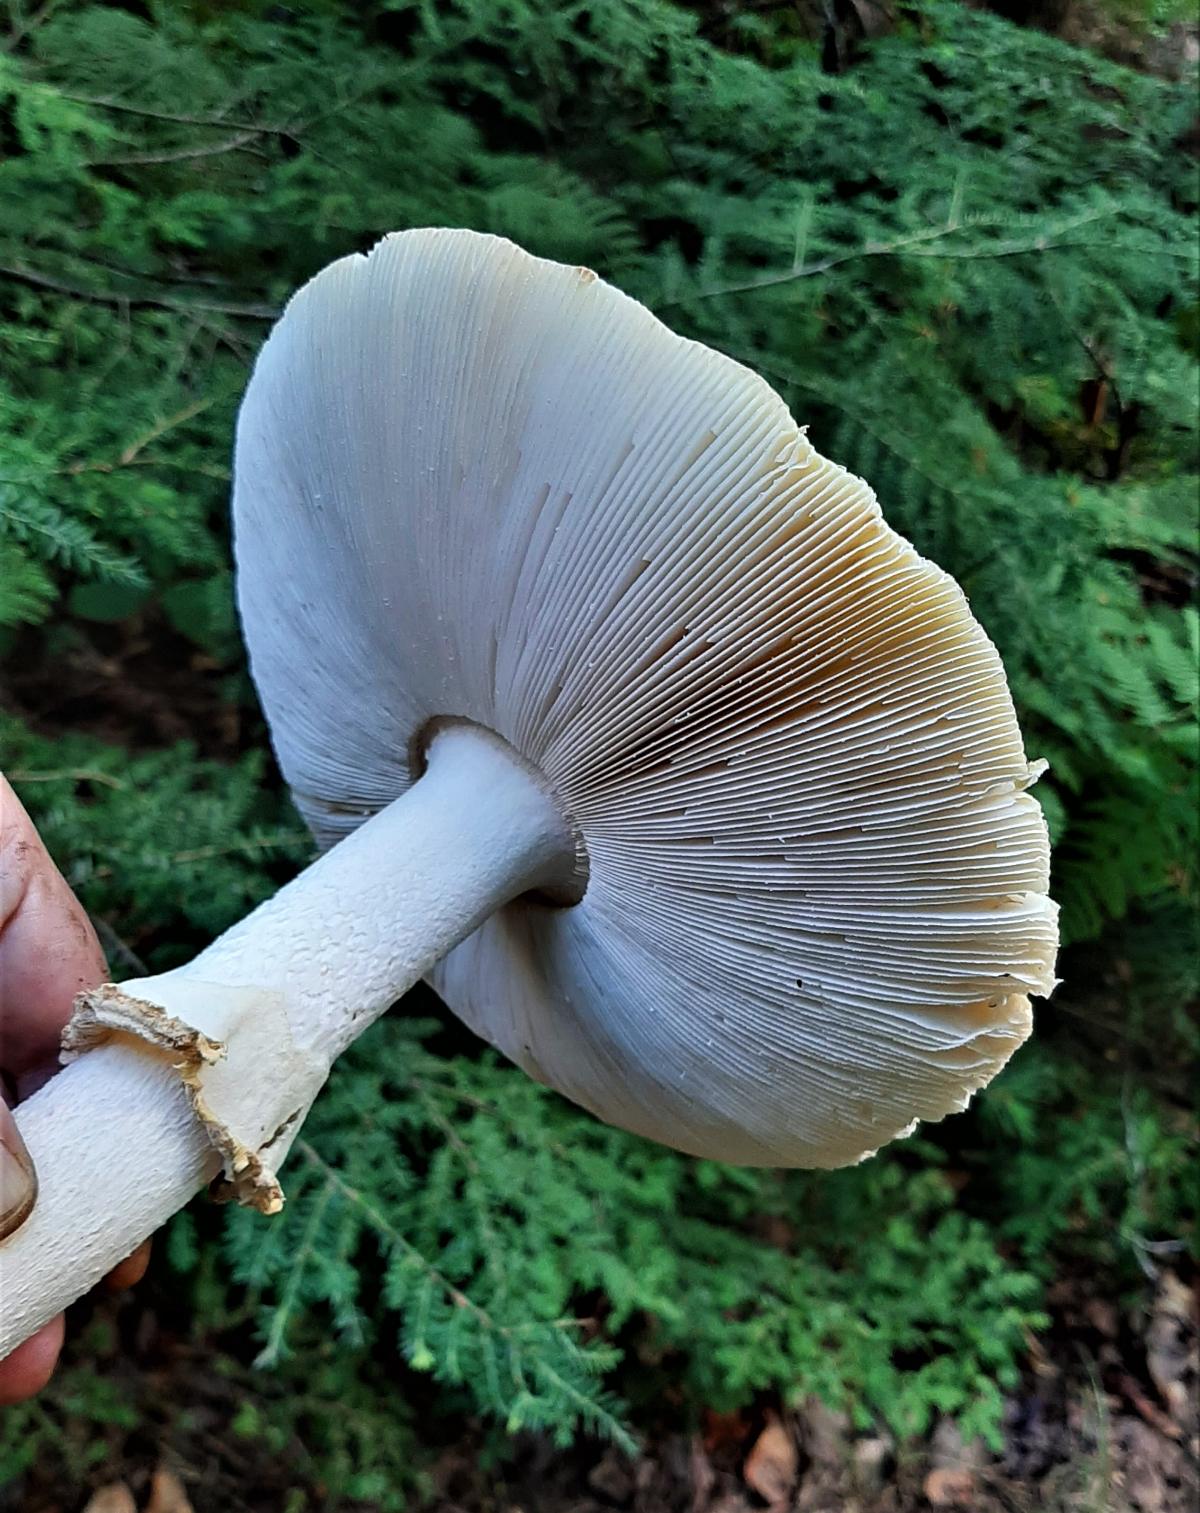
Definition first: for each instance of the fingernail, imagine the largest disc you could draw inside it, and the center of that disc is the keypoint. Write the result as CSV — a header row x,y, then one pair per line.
x,y
18,1180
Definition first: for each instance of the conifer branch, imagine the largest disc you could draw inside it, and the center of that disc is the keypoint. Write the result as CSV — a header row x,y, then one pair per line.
x,y
393,1238
269,1355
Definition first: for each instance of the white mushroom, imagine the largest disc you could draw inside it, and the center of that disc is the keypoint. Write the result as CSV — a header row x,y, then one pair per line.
x,y
694,789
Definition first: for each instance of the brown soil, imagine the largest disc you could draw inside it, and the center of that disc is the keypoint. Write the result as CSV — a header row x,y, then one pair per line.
x,y
136,683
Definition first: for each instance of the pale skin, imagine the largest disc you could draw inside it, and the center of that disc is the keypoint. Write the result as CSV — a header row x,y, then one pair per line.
x,y
48,954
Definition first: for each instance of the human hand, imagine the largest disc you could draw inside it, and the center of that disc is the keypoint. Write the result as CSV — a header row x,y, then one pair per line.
x,y
48,954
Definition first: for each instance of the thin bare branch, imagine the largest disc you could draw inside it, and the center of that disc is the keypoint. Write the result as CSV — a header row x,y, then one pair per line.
x,y
34,278
60,774
161,427
238,143
916,244
245,847
115,945
23,26
218,123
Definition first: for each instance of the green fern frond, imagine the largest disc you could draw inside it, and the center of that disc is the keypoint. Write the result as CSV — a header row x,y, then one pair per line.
x,y
63,540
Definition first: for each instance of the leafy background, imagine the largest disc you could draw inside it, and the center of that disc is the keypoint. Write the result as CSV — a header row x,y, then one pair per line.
x,y
964,252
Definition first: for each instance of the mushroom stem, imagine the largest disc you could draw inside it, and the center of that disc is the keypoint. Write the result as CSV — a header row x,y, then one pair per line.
x,y
216,1064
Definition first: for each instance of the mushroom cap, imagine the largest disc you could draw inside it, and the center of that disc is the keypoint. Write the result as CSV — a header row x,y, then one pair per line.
x,y
471,483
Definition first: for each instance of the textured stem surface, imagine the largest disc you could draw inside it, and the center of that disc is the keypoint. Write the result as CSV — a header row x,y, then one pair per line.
x,y
215,1065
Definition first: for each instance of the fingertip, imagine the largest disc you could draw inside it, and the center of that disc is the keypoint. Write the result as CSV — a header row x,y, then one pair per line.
x,y
130,1271
18,1179
48,950
31,1365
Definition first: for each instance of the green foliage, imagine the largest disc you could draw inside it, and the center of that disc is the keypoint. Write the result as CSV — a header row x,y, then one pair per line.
x,y
1098,1169
114,819
328,1419
968,262
341,1421
75,1426
485,1221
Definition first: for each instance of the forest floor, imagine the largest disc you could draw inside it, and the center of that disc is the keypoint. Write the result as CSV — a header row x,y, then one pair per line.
x,y
1106,1420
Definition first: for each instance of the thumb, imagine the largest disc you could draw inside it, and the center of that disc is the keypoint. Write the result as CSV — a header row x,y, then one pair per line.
x,y
18,1180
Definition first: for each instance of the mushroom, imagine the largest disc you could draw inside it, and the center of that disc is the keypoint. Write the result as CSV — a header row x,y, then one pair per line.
x,y
616,711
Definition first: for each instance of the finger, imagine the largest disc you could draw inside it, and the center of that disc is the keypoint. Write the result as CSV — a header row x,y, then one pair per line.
x,y
131,1270
31,1365
18,1181
48,949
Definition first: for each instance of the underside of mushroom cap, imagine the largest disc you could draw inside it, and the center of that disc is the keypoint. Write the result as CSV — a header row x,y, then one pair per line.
x,y
473,484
